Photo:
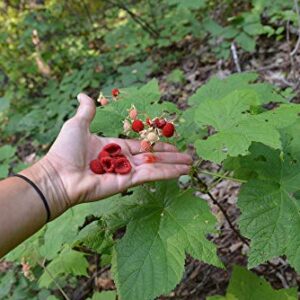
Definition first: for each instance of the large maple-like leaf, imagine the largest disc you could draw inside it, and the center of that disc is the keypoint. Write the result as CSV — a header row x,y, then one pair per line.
x,y
236,127
217,88
269,202
149,259
67,262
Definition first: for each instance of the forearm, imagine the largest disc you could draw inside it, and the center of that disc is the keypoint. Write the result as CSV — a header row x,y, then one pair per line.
x,y
22,211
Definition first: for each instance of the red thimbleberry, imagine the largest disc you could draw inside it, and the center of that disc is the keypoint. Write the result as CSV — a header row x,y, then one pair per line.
x,y
113,149
103,153
145,146
137,125
160,123
108,164
115,92
168,130
96,166
122,165
148,121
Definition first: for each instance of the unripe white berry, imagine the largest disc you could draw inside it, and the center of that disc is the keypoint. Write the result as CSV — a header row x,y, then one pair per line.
x,y
152,137
126,126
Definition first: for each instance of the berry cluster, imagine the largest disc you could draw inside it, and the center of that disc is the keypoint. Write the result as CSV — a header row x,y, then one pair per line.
x,y
104,101
150,131
111,160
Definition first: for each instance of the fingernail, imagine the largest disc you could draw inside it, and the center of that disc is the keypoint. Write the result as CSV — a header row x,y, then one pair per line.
x,y
186,169
79,97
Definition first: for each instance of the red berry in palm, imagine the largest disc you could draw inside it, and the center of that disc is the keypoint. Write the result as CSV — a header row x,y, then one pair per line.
x,y
113,149
122,165
96,166
168,130
137,125
115,92
108,164
103,153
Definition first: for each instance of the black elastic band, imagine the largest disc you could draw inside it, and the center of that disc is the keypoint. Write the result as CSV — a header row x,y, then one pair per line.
x,y
39,192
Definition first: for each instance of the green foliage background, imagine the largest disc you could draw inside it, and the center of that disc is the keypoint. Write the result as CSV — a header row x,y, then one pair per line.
x,y
51,50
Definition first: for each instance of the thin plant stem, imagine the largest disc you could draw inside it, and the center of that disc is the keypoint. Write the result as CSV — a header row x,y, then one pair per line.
x,y
55,282
204,189
223,176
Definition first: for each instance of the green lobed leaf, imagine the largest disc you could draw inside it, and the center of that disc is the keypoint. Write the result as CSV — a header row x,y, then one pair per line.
x,y
7,152
64,230
217,89
237,128
270,209
105,295
245,285
191,4
4,104
4,170
7,281
95,236
66,263
149,259
176,76
185,124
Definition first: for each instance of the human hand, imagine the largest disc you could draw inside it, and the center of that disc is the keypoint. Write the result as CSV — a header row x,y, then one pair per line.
x,y
67,163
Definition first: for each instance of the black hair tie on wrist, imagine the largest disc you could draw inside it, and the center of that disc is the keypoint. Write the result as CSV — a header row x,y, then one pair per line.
x,y
39,192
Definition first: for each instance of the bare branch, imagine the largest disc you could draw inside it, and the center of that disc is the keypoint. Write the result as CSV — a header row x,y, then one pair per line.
x,y
235,57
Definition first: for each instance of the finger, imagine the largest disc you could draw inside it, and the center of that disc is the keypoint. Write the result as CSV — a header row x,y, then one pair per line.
x,y
153,172
135,147
163,157
87,109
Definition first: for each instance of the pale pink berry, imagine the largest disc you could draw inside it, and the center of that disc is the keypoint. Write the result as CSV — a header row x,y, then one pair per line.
x,y
133,113
126,126
103,101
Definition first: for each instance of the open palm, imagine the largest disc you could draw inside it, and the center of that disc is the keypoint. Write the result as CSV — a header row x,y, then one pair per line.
x,y
75,147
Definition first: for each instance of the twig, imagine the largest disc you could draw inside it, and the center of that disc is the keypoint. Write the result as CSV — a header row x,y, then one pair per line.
x,y
87,11
204,188
152,15
144,24
80,293
235,57
214,200
55,282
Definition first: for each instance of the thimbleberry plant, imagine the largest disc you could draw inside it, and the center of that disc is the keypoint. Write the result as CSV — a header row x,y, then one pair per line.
x,y
227,123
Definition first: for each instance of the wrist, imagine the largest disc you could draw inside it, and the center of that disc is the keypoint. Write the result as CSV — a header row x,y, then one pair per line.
x,y
45,176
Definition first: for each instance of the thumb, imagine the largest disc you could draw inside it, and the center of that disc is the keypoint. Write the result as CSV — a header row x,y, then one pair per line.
x,y
87,109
